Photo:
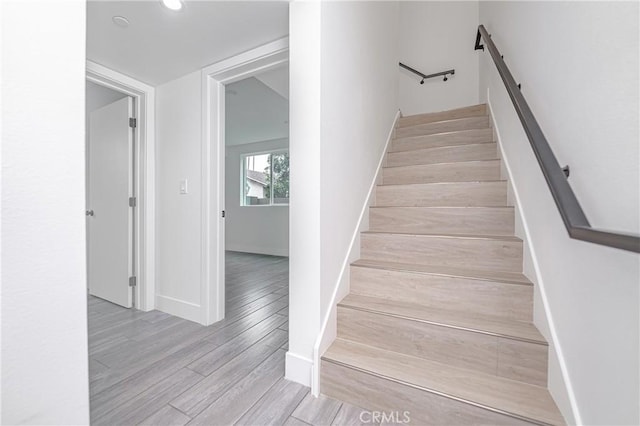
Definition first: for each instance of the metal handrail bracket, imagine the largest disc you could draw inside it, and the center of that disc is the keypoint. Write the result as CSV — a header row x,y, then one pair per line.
x,y
570,210
425,76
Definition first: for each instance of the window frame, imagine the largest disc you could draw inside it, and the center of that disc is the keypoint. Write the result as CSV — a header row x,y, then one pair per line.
x,y
243,177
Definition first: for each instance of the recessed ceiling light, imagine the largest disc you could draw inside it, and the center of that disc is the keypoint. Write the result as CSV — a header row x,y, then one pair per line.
x,y
120,21
172,4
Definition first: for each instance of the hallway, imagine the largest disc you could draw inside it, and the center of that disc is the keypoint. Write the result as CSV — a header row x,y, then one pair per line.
x,y
152,368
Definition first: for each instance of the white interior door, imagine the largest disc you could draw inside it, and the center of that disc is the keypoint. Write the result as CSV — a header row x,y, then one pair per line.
x,y
108,213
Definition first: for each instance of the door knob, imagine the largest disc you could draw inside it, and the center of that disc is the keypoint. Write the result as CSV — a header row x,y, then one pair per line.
x,y
89,213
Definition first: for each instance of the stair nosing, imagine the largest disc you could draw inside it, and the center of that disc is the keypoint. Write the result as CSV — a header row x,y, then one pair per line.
x,y
444,162
443,324
447,121
445,183
443,147
441,207
442,274
436,392
437,134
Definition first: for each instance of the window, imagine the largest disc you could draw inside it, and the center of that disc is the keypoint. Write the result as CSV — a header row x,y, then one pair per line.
x,y
265,179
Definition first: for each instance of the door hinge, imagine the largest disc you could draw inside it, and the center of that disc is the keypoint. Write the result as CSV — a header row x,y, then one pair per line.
x,y
133,122
132,281
132,201
223,213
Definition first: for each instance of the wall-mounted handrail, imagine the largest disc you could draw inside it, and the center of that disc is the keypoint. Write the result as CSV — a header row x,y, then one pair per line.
x,y
571,212
425,76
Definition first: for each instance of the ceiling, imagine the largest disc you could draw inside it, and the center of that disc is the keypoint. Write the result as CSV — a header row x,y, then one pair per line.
x,y
160,45
254,111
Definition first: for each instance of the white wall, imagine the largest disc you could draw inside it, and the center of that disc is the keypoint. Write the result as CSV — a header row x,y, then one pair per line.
x,y
44,298
358,109
435,36
340,120
178,156
578,65
304,206
253,229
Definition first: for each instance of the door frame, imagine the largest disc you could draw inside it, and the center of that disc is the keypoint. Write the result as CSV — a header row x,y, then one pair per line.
x,y
214,79
143,178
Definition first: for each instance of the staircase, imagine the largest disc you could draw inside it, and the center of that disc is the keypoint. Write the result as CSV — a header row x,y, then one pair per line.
x,y
439,319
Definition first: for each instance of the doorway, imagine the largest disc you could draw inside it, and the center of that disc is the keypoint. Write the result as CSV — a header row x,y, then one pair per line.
x,y
216,78
110,195
143,152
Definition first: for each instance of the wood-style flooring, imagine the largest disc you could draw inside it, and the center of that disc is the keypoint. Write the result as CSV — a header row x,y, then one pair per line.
x,y
152,368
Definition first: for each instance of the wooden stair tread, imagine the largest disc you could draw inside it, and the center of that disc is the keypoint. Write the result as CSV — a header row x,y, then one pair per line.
x,y
445,138
446,125
443,154
459,171
441,207
413,166
508,328
434,149
430,117
443,194
477,274
430,184
528,402
450,235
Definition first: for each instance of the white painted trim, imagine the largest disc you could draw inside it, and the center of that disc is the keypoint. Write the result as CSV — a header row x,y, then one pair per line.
x,y
144,96
214,78
328,331
298,369
178,308
539,281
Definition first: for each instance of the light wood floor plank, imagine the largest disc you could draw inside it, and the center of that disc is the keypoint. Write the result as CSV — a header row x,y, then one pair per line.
x,y
350,415
317,411
220,381
138,359
275,407
236,401
166,416
145,404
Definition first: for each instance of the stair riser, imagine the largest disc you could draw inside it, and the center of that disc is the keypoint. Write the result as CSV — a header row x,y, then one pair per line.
x,y
430,220
463,137
463,194
378,394
513,301
447,154
444,172
460,348
503,255
443,126
472,111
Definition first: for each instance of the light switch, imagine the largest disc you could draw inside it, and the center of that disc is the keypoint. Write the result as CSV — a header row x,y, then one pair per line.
x,y
184,188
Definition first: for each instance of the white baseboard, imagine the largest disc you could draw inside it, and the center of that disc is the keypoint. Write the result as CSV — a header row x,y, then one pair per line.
x,y
328,331
272,251
298,369
179,308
